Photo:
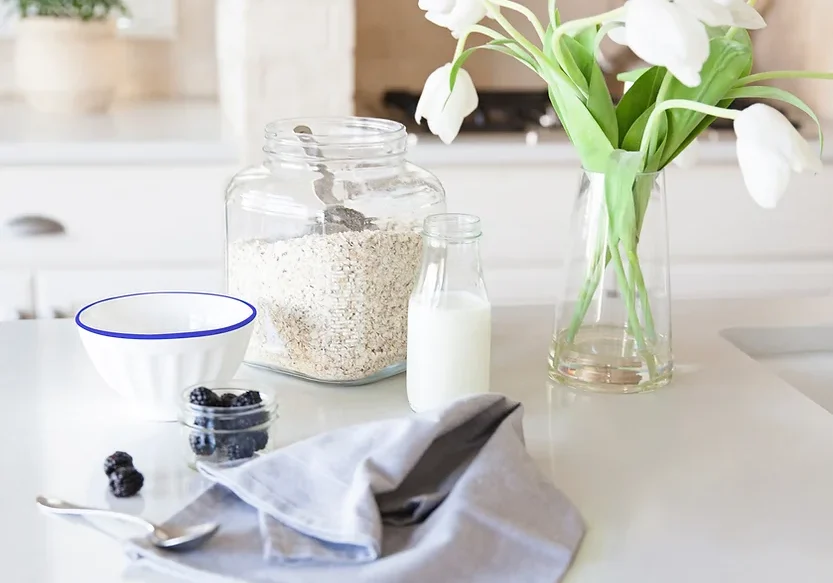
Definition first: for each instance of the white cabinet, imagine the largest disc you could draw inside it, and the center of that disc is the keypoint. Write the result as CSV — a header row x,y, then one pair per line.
x,y
16,300
113,215
61,293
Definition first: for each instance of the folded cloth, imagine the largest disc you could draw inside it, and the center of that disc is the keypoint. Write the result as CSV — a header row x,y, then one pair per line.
x,y
445,496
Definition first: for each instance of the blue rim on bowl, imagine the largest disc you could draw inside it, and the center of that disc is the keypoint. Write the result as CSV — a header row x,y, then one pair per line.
x,y
168,335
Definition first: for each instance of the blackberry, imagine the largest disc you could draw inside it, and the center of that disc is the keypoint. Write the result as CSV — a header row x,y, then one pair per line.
x,y
227,399
261,439
126,482
201,443
249,420
119,459
204,397
247,399
239,447
206,422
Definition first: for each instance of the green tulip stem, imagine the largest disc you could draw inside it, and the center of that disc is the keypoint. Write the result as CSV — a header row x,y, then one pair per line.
x,y
591,284
478,28
630,306
768,76
580,24
653,120
548,67
526,12
639,280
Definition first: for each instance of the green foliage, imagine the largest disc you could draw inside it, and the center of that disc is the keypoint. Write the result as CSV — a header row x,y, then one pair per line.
x,y
728,61
75,9
620,174
637,102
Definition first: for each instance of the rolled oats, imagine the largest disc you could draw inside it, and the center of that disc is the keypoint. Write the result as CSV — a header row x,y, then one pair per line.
x,y
331,307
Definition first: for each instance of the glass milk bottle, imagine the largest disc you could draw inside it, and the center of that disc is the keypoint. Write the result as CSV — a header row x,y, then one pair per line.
x,y
449,316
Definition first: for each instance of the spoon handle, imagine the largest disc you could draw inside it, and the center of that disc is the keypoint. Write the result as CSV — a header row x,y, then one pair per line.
x,y
57,506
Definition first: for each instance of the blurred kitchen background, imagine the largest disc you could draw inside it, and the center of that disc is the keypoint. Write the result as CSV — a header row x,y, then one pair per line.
x,y
94,204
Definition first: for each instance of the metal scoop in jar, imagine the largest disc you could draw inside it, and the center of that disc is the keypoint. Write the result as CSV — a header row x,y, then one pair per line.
x,y
335,213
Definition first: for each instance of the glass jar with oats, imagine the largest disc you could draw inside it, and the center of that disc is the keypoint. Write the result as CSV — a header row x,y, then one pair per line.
x,y
323,238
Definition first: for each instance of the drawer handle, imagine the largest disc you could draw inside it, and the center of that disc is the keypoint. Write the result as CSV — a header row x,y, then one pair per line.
x,y
33,226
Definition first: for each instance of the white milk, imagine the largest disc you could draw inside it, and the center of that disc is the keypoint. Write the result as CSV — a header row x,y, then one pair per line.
x,y
449,347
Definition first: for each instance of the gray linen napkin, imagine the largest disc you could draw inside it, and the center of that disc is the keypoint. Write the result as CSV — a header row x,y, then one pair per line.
x,y
450,495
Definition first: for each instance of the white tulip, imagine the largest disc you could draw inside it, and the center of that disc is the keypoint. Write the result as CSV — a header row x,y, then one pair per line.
x,y
743,15
662,33
455,15
707,11
769,149
444,109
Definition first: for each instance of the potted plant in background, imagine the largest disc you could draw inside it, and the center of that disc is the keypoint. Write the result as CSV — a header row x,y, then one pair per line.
x,y
65,54
613,322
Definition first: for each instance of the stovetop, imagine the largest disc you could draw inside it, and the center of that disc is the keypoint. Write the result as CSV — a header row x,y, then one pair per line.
x,y
510,112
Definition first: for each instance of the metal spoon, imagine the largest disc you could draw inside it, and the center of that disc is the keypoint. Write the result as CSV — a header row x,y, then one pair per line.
x,y
182,540
335,212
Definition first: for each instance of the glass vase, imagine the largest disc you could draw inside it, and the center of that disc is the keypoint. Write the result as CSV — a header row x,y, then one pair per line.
x,y
613,321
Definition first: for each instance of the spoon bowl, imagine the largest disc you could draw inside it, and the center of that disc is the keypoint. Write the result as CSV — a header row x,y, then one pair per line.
x,y
184,539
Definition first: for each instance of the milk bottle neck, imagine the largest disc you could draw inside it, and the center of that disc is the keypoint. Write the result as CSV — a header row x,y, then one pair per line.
x,y
451,263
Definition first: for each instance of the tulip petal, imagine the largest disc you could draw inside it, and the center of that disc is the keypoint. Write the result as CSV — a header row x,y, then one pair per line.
x,y
766,174
443,109
767,126
769,147
661,33
707,11
433,96
464,14
619,35
436,5
744,15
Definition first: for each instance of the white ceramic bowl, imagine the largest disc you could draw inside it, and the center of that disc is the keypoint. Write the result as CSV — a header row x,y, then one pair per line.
x,y
150,346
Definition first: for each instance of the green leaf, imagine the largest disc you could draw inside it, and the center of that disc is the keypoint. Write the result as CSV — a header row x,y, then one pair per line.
x,y
598,101
633,76
635,104
556,18
587,38
765,92
633,139
601,107
728,61
548,44
746,41
584,132
620,174
571,56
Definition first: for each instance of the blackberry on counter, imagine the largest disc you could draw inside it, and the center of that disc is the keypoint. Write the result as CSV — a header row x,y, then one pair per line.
x,y
126,482
227,399
247,399
117,460
239,447
204,397
201,443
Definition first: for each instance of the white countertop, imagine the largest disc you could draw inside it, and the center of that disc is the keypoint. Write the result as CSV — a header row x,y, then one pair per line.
x,y
161,132
724,476
166,132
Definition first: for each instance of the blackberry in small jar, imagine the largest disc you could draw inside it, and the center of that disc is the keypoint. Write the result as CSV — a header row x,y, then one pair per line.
x,y
235,427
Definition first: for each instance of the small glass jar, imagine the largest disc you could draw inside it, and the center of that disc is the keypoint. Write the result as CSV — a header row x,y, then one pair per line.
x,y
323,238
449,316
227,434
